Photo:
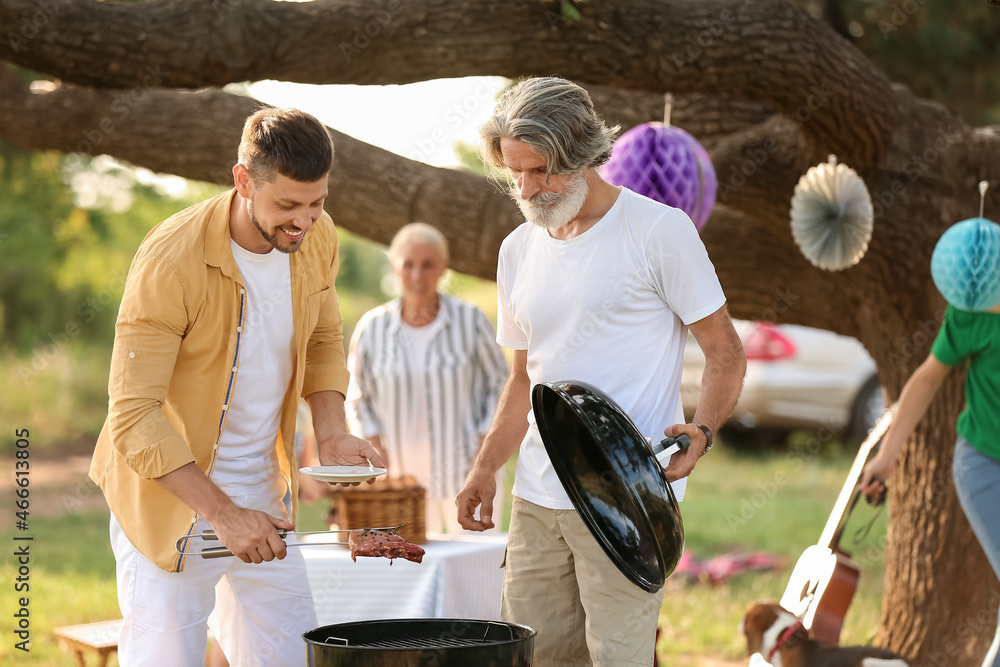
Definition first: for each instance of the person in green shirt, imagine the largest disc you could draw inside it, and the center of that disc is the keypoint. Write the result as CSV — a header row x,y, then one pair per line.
x,y
964,336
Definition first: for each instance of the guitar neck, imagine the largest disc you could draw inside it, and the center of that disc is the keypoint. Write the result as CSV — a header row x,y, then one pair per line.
x,y
832,529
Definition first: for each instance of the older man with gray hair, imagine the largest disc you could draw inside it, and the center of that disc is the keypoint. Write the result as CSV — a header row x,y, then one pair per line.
x,y
600,285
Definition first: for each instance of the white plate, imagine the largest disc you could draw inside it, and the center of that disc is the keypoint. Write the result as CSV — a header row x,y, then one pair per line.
x,y
342,473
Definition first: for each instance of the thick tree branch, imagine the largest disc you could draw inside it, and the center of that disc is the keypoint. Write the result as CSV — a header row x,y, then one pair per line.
x,y
709,118
374,192
797,65
194,134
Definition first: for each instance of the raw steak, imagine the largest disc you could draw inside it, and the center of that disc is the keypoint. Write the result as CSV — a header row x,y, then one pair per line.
x,y
384,544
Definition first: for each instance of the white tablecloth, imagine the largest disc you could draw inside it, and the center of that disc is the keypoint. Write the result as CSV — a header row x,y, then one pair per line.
x,y
460,577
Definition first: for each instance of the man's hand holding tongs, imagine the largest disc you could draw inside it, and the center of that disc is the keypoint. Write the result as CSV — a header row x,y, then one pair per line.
x,y
251,535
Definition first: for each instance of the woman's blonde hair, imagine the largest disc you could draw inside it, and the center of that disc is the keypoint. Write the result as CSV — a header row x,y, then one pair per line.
x,y
419,232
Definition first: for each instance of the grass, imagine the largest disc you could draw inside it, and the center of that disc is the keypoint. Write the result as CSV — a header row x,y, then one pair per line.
x,y
735,502
71,581
61,390
774,502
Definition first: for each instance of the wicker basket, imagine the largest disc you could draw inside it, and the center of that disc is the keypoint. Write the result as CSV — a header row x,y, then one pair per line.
x,y
387,502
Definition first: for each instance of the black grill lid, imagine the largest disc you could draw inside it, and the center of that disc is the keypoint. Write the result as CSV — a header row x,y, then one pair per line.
x,y
613,479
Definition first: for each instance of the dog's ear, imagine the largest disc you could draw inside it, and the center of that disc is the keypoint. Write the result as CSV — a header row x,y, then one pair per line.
x,y
756,621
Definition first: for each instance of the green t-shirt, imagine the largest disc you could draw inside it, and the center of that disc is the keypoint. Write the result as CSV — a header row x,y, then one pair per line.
x,y
976,337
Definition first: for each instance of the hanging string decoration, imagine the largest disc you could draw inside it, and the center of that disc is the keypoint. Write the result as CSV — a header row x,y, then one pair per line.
x,y
667,164
832,216
965,264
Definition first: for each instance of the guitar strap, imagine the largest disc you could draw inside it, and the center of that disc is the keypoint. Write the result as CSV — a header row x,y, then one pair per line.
x,y
861,534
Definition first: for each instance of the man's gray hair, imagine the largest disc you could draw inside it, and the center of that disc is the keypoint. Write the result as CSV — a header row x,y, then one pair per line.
x,y
556,118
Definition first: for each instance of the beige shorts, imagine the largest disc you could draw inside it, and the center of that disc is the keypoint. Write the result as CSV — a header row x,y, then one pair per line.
x,y
560,582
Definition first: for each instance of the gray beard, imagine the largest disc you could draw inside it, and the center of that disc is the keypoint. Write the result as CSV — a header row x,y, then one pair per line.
x,y
550,210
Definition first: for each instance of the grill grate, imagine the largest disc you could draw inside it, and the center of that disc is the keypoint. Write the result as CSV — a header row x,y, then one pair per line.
x,y
420,643
429,642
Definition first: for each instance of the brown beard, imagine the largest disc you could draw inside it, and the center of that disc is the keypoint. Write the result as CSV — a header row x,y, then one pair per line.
x,y
273,238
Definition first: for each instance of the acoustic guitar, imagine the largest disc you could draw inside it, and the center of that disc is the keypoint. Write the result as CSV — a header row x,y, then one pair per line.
x,y
825,578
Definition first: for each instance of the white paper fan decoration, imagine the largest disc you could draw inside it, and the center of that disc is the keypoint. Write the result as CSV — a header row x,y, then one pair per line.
x,y
832,216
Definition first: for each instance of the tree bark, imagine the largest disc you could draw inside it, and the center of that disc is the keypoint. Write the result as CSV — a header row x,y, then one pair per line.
x,y
743,74
652,45
930,551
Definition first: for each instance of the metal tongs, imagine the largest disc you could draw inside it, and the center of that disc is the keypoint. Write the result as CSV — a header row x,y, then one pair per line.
x,y
219,552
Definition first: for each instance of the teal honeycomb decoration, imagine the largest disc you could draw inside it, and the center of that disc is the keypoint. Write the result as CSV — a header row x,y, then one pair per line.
x,y
965,264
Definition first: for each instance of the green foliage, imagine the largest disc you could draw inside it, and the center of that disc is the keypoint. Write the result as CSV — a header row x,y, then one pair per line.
x,y
468,158
943,51
60,394
363,266
63,266
569,11
363,263
35,211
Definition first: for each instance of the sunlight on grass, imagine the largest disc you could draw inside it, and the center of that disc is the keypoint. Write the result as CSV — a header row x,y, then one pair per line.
x,y
773,502
63,389
72,580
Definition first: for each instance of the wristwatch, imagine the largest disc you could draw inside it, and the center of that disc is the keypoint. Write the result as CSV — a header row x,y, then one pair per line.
x,y
708,436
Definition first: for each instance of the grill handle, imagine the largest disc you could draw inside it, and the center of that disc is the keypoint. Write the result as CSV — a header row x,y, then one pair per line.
x,y
490,624
667,447
331,640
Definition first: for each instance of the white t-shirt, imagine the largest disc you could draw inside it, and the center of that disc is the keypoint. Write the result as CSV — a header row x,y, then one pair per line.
x,y
608,308
247,463
417,341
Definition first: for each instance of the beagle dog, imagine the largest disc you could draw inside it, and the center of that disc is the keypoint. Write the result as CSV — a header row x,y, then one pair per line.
x,y
781,639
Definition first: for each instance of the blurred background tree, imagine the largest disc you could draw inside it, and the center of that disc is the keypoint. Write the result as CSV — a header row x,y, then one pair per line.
x,y
940,50
36,205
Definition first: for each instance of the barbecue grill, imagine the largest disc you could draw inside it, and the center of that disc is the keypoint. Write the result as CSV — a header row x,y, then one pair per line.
x,y
438,642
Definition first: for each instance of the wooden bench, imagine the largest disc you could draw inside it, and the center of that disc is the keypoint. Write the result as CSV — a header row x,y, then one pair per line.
x,y
100,638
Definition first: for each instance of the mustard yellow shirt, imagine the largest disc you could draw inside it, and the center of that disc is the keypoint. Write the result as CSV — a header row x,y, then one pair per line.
x,y
176,359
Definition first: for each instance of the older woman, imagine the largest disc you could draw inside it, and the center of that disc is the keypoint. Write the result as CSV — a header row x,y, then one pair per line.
x,y
426,376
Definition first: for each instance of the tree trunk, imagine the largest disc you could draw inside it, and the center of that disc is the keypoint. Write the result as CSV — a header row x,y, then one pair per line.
x,y
768,90
933,560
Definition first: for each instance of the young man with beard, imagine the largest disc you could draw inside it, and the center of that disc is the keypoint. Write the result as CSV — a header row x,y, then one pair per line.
x,y
229,314
599,285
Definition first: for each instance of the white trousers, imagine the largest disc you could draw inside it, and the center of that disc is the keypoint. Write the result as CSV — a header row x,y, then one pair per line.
x,y
257,612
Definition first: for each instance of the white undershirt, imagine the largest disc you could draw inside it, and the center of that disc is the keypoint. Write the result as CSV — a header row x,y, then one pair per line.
x,y
247,463
418,455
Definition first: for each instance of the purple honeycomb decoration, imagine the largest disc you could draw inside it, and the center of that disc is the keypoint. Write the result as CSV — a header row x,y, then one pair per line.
x,y
667,164
965,264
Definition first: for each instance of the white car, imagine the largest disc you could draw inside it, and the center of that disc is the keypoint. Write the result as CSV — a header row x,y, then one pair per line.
x,y
797,378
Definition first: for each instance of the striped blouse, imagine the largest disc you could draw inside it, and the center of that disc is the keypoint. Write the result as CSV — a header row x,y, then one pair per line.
x,y
465,372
